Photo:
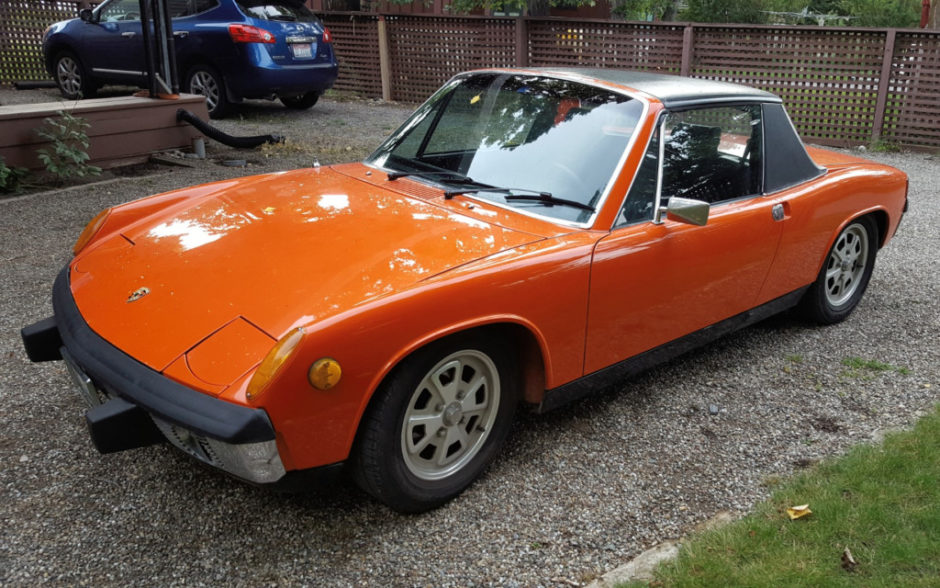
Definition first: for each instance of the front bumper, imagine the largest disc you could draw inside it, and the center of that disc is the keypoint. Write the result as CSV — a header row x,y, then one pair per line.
x,y
138,406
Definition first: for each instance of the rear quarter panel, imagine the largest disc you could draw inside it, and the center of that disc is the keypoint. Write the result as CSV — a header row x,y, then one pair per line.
x,y
818,210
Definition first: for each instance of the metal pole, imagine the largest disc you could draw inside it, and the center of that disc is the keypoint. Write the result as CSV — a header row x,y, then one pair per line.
x,y
163,56
172,73
148,49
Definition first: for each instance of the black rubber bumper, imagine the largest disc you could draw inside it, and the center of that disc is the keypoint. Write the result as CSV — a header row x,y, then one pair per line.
x,y
137,387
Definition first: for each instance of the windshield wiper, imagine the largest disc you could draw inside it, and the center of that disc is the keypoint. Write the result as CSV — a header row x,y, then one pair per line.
x,y
545,198
447,176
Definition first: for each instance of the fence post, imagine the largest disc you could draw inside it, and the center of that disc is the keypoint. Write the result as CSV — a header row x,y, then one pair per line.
x,y
385,65
522,42
883,82
687,39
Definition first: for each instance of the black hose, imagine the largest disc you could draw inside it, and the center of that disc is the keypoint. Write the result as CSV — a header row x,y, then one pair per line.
x,y
214,133
33,84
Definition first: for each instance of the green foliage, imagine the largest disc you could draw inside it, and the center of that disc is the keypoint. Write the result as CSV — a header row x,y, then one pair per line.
x,y
885,147
67,156
737,11
883,13
643,9
11,178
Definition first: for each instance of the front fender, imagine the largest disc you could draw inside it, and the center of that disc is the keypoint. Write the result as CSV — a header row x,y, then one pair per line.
x,y
542,287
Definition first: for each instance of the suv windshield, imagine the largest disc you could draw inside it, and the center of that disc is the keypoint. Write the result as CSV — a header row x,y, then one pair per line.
x,y
518,132
286,10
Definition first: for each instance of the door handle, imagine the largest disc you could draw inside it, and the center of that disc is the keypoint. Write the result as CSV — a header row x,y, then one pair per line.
x,y
181,34
780,211
128,34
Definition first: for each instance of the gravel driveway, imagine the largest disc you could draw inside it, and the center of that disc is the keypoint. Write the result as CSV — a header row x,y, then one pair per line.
x,y
576,493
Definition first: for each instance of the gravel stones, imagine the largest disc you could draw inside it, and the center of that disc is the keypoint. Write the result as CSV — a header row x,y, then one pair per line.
x,y
576,493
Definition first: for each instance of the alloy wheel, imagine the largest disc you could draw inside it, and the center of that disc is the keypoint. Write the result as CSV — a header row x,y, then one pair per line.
x,y
846,264
205,84
450,415
69,76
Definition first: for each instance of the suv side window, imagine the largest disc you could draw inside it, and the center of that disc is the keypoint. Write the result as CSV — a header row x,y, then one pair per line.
x,y
181,8
119,11
710,154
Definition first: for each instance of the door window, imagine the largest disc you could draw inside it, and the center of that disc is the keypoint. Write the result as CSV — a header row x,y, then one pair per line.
x,y
710,154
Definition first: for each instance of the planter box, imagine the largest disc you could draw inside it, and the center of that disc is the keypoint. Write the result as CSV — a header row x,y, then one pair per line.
x,y
124,130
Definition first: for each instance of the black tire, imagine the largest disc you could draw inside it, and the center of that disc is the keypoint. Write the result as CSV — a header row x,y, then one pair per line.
x,y
70,76
204,80
387,462
845,273
301,102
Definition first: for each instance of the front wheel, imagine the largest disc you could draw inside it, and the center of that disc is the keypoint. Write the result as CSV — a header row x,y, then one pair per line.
x,y
302,102
436,423
206,81
845,274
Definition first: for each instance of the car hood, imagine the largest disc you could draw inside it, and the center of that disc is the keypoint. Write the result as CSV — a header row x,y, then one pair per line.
x,y
239,263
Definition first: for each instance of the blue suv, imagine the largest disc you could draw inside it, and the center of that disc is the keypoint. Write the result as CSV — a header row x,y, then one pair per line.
x,y
226,50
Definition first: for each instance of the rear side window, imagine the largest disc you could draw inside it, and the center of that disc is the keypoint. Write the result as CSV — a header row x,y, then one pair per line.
x,y
181,8
283,10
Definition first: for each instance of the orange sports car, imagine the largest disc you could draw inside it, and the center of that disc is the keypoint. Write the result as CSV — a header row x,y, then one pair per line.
x,y
526,236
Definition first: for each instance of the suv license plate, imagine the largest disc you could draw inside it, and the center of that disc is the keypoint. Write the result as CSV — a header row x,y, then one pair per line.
x,y
301,50
85,386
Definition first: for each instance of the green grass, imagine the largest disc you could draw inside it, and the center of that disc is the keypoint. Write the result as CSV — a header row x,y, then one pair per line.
x,y
859,367
881,502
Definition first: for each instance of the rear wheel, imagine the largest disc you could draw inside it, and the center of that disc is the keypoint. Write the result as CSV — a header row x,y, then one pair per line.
x,y
206,81
844,277
301,102
436,423
71,77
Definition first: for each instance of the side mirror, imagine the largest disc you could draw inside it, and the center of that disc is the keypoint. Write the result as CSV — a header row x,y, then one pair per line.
x,y
86,15
686,210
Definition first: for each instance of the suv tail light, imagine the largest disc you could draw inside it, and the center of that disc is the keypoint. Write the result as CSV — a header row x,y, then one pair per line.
x,y
327,35
248,34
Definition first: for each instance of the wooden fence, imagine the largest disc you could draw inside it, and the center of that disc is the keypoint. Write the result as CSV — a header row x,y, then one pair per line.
x,y
21,25
842,86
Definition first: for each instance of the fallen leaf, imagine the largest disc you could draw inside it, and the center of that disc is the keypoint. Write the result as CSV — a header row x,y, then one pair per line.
x,y
848,562
796,512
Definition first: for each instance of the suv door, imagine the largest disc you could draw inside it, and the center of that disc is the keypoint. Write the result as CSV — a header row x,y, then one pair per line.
x,y
113,46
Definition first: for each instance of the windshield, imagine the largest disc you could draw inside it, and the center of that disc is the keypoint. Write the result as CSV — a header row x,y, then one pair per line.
x,y
288,10
518,132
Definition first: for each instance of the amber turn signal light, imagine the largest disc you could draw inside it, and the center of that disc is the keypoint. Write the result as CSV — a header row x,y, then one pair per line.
x,y
90,230
273,362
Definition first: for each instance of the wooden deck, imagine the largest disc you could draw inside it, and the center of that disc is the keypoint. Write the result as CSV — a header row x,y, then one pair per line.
x,y
124,130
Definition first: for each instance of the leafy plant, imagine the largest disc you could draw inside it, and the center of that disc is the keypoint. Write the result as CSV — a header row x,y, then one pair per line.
x,y
11,178
885,147
67,156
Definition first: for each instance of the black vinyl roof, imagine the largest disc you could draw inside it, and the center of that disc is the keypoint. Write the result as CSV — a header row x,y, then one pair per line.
x,y
674,92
